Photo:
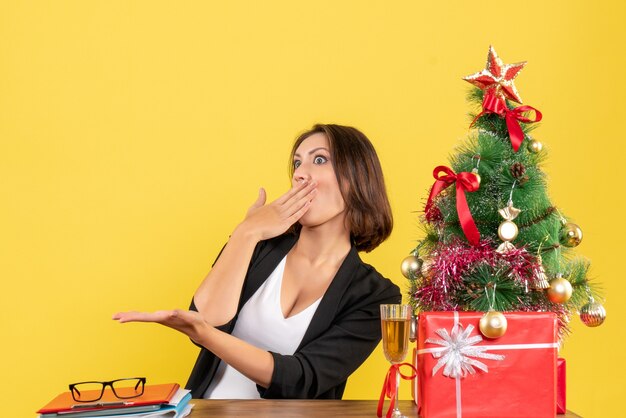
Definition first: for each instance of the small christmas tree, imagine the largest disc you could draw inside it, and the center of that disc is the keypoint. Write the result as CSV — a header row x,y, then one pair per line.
x,y
493,240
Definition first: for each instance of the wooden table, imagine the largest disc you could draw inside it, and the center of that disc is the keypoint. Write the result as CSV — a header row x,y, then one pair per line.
x,y
298,408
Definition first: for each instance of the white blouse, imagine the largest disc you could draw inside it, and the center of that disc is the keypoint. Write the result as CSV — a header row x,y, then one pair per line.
x,y
262,324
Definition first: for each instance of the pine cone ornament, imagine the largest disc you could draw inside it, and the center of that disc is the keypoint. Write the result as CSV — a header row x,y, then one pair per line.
x,y
518,171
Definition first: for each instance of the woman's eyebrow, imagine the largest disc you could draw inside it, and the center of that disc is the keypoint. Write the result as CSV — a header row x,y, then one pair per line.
x,y
312,151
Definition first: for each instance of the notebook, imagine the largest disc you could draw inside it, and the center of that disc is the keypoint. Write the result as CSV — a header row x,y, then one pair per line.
x,y
152,395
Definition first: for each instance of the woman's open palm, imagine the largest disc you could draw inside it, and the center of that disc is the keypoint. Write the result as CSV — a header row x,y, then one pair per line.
x,y
190,323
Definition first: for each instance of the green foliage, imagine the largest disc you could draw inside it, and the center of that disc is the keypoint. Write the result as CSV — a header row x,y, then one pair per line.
x,y
542,229
576,272
431,238
490,288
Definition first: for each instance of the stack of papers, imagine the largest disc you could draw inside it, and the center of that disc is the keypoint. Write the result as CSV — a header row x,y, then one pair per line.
x,y
158,401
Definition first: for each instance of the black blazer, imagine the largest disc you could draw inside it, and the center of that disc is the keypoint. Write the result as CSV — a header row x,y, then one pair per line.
x,y
343,332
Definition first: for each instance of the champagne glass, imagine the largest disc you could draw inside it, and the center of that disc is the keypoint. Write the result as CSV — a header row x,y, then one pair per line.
x,y
395,323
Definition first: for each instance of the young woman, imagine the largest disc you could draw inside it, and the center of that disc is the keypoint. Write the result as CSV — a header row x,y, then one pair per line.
x,y
289,310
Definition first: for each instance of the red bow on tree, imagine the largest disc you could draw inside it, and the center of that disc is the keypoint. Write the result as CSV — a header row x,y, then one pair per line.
x,y
497,105
465,182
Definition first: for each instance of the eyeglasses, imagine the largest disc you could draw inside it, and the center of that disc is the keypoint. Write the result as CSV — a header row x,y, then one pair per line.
x,y
121,388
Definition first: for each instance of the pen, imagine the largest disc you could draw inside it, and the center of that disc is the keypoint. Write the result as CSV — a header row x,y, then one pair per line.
x,y
101,404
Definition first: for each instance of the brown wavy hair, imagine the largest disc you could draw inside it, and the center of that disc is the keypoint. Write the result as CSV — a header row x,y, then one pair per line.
x,y
360,178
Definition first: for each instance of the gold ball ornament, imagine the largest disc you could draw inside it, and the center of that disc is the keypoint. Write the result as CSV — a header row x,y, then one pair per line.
x,y
592,314
535,146
571,234
493,324
475,172
411,267
507,231
560,290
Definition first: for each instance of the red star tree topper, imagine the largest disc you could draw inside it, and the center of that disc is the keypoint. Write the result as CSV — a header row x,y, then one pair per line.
x,y
497,79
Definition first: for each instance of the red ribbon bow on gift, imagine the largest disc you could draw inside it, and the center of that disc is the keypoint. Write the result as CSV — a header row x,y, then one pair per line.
x,y
465,182
495,104
390,389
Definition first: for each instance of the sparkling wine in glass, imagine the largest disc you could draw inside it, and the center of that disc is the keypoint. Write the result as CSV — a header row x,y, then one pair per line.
x,y
395,324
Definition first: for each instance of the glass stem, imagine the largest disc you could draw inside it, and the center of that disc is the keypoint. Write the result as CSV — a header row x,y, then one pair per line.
x,y
397,407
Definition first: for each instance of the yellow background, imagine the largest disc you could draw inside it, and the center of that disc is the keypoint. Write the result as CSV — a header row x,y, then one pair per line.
x,y
134,134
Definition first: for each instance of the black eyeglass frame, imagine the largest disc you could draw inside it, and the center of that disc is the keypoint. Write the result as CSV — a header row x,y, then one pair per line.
x,y
140,381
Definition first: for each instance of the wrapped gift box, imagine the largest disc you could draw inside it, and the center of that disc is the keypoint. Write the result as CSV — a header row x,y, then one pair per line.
x,y
560,386
462,374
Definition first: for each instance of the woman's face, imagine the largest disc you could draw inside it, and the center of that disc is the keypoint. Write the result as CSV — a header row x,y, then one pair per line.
x,y
312,162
